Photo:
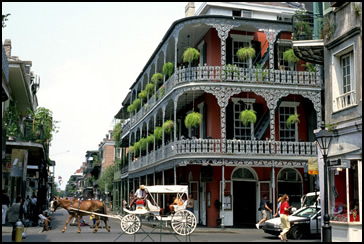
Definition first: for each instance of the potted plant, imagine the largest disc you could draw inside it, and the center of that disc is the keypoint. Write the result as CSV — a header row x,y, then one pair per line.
x,y
229,69
158,132
248,116
130,108
292,119
190,54
136,147
136,104
290,57
143,95
149,88
168,69
246,53
150,139
309,67
143,144
168,126
156,78
193,119
131,149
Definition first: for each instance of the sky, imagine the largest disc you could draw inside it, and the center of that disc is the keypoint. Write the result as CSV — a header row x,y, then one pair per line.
x,y
87,56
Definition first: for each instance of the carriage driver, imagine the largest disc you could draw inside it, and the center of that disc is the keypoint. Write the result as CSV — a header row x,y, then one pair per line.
x,y
141,193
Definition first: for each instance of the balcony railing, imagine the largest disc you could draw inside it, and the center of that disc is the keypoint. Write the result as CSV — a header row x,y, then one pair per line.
x,y
346,100
306,26
227,74
208,147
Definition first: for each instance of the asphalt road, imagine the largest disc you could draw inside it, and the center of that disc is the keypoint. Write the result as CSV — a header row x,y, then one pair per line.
x,y
201,234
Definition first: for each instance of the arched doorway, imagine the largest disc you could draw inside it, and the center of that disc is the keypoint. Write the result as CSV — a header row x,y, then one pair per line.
x,y
290,183
244,196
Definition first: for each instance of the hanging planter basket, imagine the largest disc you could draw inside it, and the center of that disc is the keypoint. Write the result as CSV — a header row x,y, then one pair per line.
x,y
248,116
168,126
158,132
156,78
193,119
190,54
292,120
290,57
150,139
246,53
168,69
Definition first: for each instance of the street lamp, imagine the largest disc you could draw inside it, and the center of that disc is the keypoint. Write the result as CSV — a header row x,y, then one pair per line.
x,y
323,138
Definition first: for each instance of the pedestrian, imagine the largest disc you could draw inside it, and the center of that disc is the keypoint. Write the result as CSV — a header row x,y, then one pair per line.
x,y
13,215
34,210
190,203
45,220
284,211
93,218
263,207
5,201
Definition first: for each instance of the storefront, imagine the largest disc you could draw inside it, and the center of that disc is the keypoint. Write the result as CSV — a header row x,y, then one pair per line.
x,y
345,189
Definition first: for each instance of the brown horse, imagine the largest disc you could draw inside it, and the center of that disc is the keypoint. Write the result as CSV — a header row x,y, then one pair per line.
x,y
94,206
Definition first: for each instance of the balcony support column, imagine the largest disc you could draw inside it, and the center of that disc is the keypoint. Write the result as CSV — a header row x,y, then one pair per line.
x,y
155,121
271,35
175,34
163,118
146,137
223,33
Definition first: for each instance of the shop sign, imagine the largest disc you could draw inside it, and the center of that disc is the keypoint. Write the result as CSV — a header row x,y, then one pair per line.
x,y
313,166
19,158
339,163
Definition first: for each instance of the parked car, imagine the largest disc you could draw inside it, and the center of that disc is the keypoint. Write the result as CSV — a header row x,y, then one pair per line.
x,y
310,199
303,223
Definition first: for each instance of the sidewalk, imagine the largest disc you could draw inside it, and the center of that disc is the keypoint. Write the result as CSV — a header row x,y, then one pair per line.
x,y
28,230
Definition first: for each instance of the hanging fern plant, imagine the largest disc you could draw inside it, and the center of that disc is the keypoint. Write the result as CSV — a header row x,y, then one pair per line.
x,y
193,119
292,120
143,144
246,53
168,69
290,57
136,147
168,126
143,95
158,133
130,108
150,139
149,88
136,104
248,116
131,149
156,78
190,54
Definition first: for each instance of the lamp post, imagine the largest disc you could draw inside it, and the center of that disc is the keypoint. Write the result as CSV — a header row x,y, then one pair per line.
x,y
323,138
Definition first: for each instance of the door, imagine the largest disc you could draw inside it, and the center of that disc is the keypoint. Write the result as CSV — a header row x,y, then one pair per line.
x,y
194,190
244,203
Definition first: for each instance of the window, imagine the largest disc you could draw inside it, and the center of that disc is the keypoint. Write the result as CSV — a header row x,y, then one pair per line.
x,y
240,131
282,64
345,194
343,77
285,110
240,41
237,13
247,13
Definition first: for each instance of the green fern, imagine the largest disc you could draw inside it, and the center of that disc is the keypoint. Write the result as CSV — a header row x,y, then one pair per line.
x,y
130,108
193,119
149,88
248,116
190,54
158,133
292,119
245,53
131,149
156,78
290,57
143,144
168,126
150,139
168,69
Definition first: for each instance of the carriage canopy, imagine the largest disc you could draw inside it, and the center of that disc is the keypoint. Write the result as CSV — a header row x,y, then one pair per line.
x,y
168,189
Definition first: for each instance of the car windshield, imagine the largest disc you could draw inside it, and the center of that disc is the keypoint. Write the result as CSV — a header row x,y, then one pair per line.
x,y
306,212
310,200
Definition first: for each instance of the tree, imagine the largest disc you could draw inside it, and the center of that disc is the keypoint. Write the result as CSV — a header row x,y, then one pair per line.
x,y
106,178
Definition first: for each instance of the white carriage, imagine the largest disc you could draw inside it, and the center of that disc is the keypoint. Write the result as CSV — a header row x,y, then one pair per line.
x,y
182,221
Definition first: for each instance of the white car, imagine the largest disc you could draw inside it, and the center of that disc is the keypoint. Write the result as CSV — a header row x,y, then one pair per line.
x,y
305,221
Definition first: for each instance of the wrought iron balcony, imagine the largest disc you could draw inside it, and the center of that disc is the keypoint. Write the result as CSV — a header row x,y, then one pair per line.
x,y
306,26
213,147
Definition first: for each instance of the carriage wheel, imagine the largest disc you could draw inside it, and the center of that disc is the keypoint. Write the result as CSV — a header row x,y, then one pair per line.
x,y
183,222
130,224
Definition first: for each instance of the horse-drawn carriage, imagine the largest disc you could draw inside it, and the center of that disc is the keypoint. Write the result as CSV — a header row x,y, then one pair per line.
x,y
182,221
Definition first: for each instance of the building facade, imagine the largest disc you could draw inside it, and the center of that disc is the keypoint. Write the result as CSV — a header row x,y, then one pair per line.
x,y
339,49
228,165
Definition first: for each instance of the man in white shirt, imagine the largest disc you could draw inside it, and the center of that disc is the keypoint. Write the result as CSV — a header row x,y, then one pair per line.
x,y
139,194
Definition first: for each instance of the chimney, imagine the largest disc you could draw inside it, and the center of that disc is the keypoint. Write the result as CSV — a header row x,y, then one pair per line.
x,y
190,9
7,47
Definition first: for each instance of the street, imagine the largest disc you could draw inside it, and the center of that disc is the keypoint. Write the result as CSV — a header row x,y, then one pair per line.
x,y
201,234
